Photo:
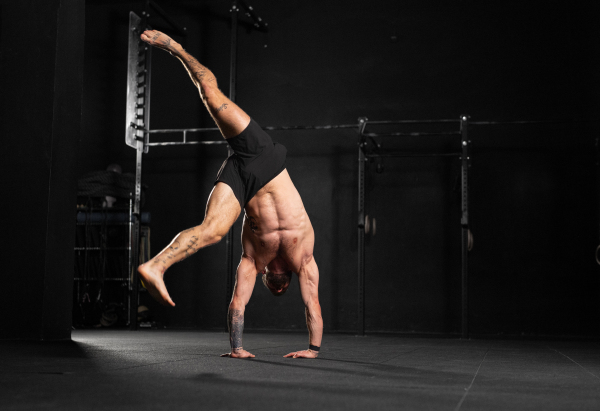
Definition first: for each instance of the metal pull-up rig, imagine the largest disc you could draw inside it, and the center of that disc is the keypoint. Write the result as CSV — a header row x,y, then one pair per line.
x,y
138,135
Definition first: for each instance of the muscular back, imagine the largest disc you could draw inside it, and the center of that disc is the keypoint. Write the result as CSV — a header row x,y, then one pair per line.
x,y
276,227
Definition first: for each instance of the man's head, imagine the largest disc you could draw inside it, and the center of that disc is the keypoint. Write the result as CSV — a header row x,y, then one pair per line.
x,y
277,283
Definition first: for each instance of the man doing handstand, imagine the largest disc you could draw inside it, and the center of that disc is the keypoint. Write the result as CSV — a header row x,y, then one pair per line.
x,y
277,236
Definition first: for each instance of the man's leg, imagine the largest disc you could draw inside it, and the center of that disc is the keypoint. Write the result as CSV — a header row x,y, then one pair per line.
x,y
223,207
222,211
230,119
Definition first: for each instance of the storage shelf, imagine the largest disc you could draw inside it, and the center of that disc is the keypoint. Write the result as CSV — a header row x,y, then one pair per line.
x,y
104,258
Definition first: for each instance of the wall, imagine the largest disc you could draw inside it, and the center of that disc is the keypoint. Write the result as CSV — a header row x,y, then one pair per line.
x,y
534,205
40,107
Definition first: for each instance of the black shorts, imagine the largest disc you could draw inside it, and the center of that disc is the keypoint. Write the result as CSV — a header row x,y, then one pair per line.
x,y
255,161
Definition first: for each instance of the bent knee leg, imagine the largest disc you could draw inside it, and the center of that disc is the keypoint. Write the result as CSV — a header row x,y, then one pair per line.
x,y
222,211
214,231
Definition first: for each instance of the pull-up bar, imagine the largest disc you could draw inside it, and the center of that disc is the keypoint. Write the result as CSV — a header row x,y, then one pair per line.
x,y
357,126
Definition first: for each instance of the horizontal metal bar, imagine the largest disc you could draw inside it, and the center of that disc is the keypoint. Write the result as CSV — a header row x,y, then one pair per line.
x,y
271,128
326,127
416,134
101,279
101,248
101,223
185,143
413,155
413,121
181,130
485,123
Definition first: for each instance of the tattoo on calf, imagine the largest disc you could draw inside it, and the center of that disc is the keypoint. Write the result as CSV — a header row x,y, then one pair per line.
x,y
198,69
191,246
174,247
236,329
223,107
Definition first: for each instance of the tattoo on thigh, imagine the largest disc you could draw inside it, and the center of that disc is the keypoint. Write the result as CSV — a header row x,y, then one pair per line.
x,y
223,107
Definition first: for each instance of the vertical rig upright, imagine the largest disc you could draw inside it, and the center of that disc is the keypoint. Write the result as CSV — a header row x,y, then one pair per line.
x,y
137,120
464,222
597,192
362,159
232,82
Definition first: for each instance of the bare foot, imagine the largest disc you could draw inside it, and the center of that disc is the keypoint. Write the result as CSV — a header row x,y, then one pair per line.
x,y
161,40
152,278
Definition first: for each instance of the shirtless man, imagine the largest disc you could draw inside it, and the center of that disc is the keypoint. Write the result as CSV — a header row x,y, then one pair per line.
x,y
277,236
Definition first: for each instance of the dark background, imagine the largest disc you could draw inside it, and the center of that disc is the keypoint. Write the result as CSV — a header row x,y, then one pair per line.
x,y
534,205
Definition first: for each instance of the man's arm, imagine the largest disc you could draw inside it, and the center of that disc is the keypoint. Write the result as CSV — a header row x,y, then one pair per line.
x,y
308,277
244,284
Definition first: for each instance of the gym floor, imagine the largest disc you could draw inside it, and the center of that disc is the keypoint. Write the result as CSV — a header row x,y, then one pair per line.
x,y
145,370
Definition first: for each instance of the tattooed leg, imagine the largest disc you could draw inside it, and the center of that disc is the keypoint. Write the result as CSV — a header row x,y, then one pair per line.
x,y
221,212
230,119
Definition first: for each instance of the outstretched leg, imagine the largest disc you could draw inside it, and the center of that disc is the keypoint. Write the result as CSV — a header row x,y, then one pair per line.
x,y
223,207
230,119
222,211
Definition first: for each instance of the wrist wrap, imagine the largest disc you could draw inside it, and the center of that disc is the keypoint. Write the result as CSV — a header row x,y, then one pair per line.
x,y
313,348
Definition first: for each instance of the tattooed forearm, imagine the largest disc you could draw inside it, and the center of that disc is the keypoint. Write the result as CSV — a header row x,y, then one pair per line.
x,y
222,107
235,321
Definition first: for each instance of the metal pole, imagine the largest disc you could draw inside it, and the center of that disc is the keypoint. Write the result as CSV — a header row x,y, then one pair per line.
x,y
135,240
233,56
362,159
464,222
232,81
144,60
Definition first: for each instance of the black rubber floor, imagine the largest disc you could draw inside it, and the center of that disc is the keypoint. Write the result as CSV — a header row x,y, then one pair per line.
x,y
147,370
